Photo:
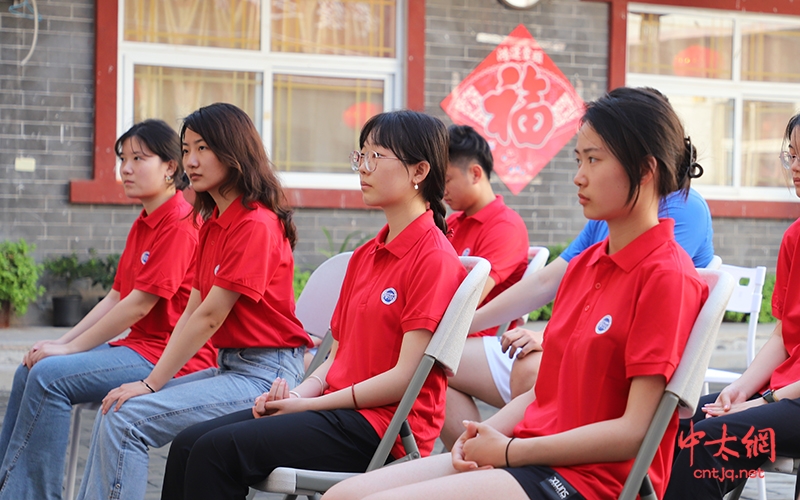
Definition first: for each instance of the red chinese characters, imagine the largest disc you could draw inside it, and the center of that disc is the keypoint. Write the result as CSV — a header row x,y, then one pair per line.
x,y
523,105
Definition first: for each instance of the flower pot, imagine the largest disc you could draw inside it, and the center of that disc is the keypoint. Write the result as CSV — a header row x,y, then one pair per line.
x,y
67,310
5,314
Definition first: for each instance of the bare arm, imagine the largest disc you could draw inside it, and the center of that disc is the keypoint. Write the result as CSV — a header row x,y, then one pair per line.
x,y
607,441
529,294
382,389
197,324
105,321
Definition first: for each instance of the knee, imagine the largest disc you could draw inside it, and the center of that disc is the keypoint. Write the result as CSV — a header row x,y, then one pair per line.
x,y
524,373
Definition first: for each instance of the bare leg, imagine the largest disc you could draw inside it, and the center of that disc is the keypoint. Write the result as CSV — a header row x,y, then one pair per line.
x,y
524,372
432,477
473,379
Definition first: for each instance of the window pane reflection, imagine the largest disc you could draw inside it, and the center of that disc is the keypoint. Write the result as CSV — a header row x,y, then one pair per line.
x,y
709,122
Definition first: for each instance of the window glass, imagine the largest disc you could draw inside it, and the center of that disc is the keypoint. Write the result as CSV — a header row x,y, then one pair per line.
x,y
762,134
233,24
708,121
343,27
172,93
679,45
317,120
769,52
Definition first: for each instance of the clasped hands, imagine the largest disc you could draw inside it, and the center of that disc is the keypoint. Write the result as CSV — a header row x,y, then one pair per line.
x,y
279,401
480,447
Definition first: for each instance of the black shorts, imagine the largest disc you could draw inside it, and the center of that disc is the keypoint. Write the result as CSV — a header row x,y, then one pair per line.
x,y
543,483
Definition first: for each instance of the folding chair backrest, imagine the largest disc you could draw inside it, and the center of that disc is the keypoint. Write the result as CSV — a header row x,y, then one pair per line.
x,y
683,389
447,342
746,298
537,259
687,381
318,299
715,262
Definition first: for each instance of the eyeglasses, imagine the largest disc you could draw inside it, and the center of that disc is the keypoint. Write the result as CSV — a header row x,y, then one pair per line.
x,y
369,159
787,159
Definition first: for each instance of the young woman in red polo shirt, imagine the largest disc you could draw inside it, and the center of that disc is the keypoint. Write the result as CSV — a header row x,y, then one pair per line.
x,y
150,291
394,294
620,322
241,298
758,413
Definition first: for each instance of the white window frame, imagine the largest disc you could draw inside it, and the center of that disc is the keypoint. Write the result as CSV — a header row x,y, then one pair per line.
x,y
735,89
267,64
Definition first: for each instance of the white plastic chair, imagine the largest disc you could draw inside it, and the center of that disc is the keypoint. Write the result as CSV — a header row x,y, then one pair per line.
x,y
314,309
537,259
716,261
746,298
683,390
445,348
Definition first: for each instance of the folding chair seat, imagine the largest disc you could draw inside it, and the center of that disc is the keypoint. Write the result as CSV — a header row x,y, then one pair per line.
x,y
683,390
314,309
445,348
537,259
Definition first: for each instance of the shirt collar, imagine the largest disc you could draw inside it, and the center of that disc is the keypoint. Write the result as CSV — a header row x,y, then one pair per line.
x,y
407,238
486,213
159,213
232,213
636,251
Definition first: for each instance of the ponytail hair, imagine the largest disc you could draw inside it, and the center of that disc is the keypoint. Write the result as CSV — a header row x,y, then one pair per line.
x,y
415,137
688,167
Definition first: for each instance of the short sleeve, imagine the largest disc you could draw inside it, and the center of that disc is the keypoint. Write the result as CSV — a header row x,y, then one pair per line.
x,y
589,235
666,310
783,269
693,228
431,286
171,256
245,261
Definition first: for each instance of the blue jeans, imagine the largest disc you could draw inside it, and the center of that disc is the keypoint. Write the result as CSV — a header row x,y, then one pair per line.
x,y
33,441
116,467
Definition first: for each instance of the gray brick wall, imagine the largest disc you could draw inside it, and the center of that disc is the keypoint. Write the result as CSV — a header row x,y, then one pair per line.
x,y
46,112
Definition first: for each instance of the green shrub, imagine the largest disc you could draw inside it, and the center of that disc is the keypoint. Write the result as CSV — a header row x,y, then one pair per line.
x,y
19,274
101,270
765,316
66,268
300,280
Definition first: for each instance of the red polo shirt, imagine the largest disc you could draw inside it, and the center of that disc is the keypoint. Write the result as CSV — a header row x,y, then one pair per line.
x,y
615,317
245,251
390,289
786,307
159,259
498,234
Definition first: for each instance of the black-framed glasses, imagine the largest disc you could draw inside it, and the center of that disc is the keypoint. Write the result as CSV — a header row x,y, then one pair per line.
x,y
369,159
787,159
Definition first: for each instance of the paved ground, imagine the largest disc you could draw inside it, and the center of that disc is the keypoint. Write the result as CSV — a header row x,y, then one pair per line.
x,y
15,341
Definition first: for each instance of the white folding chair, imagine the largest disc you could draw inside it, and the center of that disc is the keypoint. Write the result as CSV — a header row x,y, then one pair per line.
x,y
716,261
314,309
537,259
445,348
746,298
683,390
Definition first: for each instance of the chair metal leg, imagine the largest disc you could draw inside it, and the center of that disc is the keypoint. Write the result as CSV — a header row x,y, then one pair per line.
x,y
72,466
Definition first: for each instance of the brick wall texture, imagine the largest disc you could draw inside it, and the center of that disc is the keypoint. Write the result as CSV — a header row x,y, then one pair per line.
x,y
46,112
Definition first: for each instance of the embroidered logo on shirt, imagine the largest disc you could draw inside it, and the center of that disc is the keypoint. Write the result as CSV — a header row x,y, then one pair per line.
x,y
145,256
216,269
465,252
603,325
388,296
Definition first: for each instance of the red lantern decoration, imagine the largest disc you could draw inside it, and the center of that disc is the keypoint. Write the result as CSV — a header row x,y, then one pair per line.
x,y
357,115
696,61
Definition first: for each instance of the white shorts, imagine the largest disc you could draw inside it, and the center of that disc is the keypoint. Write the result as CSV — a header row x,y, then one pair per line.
x,y
499,365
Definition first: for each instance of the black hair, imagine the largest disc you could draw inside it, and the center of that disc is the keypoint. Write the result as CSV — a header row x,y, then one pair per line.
x,y
414,137
231,135
794,122
161,140
467,146
640,123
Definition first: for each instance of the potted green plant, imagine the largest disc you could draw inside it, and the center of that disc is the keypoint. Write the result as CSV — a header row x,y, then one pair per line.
x,y
19,275
67,310
101,270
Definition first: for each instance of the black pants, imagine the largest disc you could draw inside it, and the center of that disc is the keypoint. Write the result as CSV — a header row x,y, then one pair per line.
x,y
710,476
220,458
